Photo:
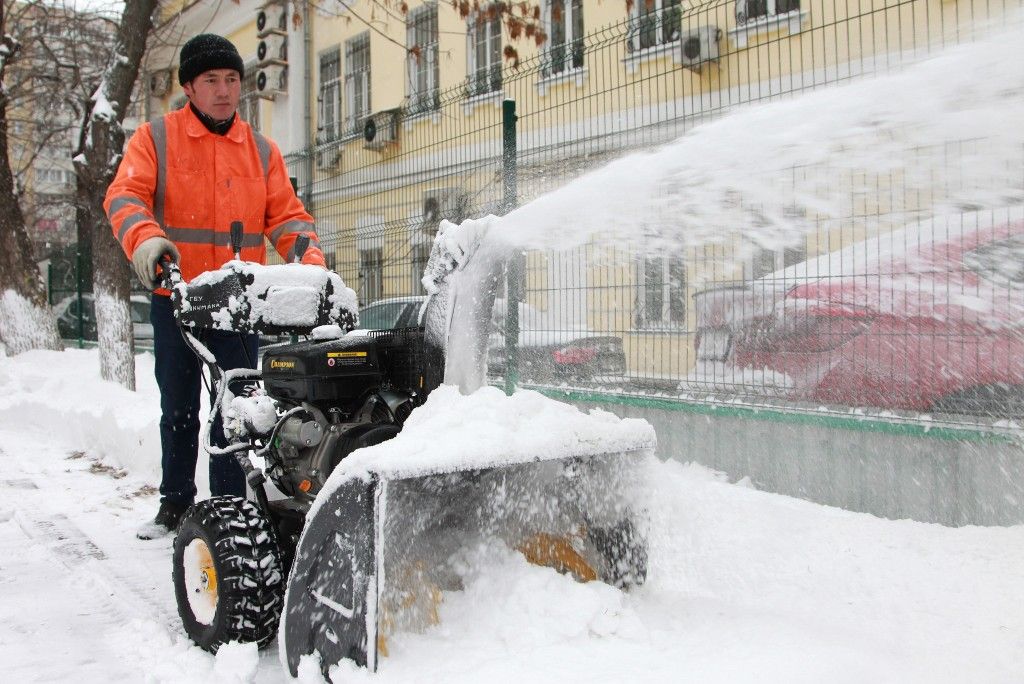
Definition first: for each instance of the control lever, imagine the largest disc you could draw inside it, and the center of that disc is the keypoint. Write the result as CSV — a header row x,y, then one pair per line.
x,y
300,247
170,274
236,239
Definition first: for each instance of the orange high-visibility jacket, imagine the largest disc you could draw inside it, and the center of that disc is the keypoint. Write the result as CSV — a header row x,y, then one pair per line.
x,y
180,181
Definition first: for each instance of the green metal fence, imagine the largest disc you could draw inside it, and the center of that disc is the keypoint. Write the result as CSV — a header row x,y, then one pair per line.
x,y
69,286
704,323
866,335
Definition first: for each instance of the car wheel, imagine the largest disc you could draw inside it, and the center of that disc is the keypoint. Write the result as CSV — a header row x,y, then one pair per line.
x,y
995,401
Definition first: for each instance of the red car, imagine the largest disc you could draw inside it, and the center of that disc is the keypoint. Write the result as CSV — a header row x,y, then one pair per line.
x,y
927,318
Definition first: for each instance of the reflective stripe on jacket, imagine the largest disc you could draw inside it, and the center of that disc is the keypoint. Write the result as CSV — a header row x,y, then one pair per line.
x,y
180,181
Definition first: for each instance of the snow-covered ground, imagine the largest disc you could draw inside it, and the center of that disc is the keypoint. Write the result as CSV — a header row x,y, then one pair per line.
x,y
744,585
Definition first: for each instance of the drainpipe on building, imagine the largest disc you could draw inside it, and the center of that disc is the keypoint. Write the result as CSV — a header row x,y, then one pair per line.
x,y
307,113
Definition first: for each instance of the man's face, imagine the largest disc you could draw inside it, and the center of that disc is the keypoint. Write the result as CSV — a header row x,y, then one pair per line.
x,y
215,92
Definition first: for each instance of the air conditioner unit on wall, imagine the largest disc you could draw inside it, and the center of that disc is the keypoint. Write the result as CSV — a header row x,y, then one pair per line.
x,y
271,18
272,49
380,129
437,205
700,45
271,80
160,82
328,156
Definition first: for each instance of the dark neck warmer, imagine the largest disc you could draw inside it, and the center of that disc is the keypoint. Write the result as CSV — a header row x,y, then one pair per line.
x,y
217,127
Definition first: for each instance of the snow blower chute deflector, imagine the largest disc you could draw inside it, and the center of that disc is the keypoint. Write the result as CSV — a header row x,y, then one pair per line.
x,y
369,541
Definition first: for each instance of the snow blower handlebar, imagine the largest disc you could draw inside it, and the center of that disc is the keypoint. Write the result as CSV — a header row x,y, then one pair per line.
x,y
170,274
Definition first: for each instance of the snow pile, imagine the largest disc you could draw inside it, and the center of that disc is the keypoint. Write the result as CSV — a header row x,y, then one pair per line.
x,y
107,421
743,585
452,431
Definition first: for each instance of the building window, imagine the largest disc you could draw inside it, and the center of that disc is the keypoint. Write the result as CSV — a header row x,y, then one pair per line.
x,y
371,274
329,124
655,22
565,36
661,300
249,103
357,80
752,10
484,53
58,176
421,34
767,261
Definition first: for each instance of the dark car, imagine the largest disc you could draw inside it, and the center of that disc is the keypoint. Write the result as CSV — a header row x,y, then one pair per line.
x,y
546,352
927,318
68,314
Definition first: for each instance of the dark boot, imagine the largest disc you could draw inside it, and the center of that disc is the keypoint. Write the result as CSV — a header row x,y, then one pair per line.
x,y
165,522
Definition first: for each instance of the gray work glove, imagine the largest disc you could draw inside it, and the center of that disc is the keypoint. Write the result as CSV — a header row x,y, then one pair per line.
x,y
147,255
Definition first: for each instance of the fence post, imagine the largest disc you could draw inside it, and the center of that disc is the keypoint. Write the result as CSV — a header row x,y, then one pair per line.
x,y
78,293
515,267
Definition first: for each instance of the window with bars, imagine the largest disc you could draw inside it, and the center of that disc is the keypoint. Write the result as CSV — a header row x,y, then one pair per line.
x,y
751,10
661,300
329,126
357,80
656,22
371,274
565,36
421,38
484,53
249,103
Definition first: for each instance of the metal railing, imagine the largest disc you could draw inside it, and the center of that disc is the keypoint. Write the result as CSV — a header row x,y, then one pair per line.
x,y
734,321
876,309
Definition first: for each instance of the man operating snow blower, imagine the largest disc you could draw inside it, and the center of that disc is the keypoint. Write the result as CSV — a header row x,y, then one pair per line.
x,y
185,178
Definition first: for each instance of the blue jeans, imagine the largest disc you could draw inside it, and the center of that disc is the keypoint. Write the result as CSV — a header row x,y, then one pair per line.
x,y
178,375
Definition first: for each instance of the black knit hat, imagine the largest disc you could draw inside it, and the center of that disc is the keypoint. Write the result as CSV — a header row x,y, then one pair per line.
x,y
208,51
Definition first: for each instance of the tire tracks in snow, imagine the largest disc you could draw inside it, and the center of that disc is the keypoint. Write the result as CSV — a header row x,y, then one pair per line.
x,y
85,556
62,586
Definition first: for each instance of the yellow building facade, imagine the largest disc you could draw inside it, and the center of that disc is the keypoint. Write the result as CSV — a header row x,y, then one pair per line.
x,y
390,115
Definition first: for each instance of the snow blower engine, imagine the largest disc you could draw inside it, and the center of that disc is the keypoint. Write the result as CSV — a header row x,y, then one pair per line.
x,y
371,555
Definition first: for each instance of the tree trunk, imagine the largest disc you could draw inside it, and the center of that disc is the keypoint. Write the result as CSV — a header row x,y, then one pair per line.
x,y
26,319
96,162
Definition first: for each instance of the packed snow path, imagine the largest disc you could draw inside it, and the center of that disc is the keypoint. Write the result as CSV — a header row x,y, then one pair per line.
x,y
744,585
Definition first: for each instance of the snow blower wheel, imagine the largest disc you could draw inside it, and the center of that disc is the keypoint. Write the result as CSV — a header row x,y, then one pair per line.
x,y
228,578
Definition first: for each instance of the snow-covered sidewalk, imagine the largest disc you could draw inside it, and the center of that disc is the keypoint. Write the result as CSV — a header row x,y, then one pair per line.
x,y
744,585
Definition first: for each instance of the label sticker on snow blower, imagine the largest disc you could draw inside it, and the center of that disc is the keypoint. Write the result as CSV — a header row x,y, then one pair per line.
x,y
346,358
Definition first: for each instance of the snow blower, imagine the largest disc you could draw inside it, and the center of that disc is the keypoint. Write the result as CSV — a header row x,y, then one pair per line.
x,y
365,537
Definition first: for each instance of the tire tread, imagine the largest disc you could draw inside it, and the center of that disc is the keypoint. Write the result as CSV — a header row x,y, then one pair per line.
x,y
250,577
